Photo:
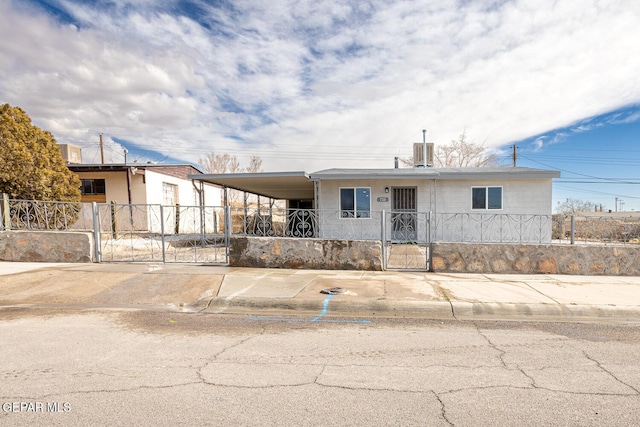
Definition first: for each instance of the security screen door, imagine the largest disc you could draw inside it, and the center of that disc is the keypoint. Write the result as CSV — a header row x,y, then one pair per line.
x,y
403,214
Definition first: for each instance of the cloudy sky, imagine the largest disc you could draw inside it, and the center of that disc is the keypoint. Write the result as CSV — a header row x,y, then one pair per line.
x,y
313,84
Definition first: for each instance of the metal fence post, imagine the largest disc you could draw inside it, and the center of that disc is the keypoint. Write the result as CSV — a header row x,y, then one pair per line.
x,y
428,237
383,238
114,219
573,229
228,229
6,214
97,236
164,257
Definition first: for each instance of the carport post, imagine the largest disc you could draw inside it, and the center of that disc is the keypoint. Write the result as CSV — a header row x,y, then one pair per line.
x,y
97,237
228,229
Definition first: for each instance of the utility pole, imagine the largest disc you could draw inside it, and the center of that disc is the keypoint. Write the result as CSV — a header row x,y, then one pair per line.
x,y
101,150
515,155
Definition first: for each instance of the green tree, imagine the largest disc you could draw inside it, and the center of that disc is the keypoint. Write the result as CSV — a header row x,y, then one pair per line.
x,y
31,166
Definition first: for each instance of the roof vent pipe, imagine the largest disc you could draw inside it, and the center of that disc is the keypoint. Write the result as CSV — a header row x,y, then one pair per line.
x,y
424,148
395,162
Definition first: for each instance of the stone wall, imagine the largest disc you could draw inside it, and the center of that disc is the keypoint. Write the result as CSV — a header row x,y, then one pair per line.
x,y
274,252
49,246
536,259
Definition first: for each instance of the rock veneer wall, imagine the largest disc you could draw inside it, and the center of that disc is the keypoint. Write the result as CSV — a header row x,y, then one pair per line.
x,y
536,259
49,246
274,252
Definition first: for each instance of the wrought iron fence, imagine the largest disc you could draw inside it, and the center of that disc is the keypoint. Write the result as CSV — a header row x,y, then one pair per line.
x,y
129,232
304,223
162,233
43,215
206,225
491,228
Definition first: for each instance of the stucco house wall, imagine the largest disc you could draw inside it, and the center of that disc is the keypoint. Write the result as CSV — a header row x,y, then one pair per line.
x,y
146,187
187,198
519,196
527,198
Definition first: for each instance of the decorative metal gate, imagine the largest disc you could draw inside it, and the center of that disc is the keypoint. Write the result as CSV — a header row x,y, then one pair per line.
x,y
407,239
157,233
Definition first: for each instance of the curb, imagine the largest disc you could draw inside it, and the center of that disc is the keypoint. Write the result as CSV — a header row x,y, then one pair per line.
x,y
435,309
455,310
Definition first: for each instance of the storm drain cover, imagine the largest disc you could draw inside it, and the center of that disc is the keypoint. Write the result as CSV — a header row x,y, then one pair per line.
x,y
333,291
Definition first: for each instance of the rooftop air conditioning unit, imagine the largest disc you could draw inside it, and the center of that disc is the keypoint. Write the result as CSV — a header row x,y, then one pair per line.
x,y
72,154
418,154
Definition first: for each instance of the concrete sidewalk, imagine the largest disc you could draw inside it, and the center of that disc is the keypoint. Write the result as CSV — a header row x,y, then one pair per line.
x,y
214,289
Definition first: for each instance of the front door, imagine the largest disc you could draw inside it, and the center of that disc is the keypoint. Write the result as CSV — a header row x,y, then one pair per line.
x,y
403,214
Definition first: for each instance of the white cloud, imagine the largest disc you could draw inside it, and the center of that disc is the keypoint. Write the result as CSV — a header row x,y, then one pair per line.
x,y
313,84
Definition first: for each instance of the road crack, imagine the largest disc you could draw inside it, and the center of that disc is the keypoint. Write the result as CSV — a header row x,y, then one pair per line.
x,y
443,409
611,374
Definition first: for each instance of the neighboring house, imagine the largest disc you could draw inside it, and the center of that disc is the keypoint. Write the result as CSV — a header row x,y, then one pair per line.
x,y
145,184
349,199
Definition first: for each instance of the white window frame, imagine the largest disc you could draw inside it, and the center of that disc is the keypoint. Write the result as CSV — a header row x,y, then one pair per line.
x,y
175,193
486,197
345,213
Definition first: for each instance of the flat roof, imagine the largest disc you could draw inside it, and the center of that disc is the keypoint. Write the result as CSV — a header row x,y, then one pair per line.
x,y
300,185
436,173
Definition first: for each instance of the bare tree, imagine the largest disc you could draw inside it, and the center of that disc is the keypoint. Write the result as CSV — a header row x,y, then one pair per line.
x,y
227,163
462,153
255,164
459,153
572,206
220,163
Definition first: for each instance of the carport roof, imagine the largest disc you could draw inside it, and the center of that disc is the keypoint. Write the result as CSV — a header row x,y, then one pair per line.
x,y
277,185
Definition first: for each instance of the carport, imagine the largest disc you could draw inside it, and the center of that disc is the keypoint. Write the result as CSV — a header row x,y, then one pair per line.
x,y
295,188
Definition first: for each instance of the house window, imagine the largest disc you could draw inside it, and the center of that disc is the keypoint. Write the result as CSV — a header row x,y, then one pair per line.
x,y
92,187
486,198
355,202
169,194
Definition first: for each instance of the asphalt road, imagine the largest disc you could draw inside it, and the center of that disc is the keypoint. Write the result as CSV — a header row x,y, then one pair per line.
x,y
162,368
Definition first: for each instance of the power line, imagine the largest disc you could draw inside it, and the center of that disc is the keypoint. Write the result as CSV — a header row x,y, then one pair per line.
x,y
597,192
575,173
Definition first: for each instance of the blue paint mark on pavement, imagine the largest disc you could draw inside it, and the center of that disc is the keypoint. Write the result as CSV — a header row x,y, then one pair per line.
x,y
284,319
317,319
325,306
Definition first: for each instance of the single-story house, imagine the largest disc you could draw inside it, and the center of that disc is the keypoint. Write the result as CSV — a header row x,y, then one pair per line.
x,y
147,184
459,204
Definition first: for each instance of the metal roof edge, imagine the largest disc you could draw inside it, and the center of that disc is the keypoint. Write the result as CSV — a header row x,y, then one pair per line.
x,y
250,175
435,173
